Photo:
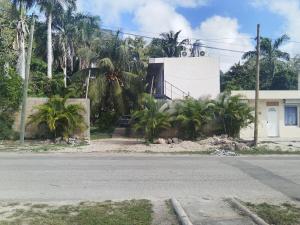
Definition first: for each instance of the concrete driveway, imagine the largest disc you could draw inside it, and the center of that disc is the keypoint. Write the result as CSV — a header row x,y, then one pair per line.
x,y
75,177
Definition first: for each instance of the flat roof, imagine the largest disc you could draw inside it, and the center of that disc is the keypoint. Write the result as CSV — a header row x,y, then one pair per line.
x,y
276,94
168,59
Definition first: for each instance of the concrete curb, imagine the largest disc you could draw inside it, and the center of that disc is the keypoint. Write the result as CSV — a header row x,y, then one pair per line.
x,y
182,216
236,204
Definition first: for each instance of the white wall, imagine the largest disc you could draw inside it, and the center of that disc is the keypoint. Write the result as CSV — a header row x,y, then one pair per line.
x,y
199,76
284,131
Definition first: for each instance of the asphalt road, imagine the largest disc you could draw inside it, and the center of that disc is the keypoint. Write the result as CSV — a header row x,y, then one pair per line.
x,y
97,177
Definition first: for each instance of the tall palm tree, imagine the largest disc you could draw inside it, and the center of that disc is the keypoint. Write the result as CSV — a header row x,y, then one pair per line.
x,y
171,44
87,39
271,53
22,6
52,8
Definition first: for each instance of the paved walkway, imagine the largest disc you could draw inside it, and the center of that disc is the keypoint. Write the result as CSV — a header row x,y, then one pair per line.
x,y
207,211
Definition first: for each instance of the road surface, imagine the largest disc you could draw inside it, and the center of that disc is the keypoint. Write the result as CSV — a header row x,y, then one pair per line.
x,y
97,177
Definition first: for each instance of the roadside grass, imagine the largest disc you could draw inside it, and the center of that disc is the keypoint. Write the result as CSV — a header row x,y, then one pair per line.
x,y
284,214
30,146
134,212
265,150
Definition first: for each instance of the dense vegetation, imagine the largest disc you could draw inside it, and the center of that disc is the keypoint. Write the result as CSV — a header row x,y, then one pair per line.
x,y
73,56
278,70
190,117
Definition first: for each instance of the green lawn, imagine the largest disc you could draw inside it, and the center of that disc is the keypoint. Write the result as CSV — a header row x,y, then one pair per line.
x,y
285,214
134,212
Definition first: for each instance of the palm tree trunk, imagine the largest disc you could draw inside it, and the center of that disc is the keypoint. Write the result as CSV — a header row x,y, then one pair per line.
x,y
65,64
49,46
22,58
21,32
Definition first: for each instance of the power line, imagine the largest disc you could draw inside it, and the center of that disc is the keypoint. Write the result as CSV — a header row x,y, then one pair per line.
x,y
201,45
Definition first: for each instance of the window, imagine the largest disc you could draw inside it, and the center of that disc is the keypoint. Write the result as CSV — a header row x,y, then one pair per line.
x,y
291,115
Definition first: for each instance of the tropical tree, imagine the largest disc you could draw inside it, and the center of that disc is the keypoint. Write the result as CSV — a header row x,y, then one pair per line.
x,y
233,113
52,8
271,55
10,98
151,119
171,44
21,7
190,115
61,119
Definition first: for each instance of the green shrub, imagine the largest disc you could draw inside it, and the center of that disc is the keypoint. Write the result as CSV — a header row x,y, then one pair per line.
x,y
10,98
190,116
232,113
151,119
60,119
107,121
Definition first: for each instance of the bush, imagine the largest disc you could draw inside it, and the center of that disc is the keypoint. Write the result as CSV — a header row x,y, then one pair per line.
x,y
190,116
10,98
60,119
107,121
151,118
233,113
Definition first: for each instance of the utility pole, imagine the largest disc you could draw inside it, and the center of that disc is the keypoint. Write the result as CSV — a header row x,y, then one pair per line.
x,y
257,85
25,86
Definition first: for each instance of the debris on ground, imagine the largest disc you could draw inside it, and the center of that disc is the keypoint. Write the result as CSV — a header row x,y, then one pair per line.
x,y
224,153
225,143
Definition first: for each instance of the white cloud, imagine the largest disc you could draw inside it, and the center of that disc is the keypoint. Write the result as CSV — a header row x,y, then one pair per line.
x,y
111,10
223,32
156,16
290,11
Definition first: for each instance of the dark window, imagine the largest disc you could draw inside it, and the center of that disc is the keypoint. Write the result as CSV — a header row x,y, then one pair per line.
x,y
291,116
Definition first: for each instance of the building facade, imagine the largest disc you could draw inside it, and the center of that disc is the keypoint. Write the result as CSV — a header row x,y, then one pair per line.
x,y
279,114
175,78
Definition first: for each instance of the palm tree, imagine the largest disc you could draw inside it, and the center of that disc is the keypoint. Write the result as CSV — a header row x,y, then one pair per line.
x,y
61,119
22,6
52,8
191,115
171,45
151,119
271,53
233,113
87,39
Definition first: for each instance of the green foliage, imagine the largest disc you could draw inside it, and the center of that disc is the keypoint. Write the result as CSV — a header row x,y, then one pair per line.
x,y
285,214
275,70
151,119
10,98
61,119
191,115
40,85
233,113
138,212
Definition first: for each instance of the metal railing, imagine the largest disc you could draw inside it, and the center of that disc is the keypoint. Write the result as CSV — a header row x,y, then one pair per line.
x,y
173,92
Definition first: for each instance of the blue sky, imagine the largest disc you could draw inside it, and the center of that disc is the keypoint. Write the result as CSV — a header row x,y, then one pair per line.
x,y
232,22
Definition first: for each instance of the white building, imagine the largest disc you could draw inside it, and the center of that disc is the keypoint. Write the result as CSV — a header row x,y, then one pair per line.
x,y
279,114
176,78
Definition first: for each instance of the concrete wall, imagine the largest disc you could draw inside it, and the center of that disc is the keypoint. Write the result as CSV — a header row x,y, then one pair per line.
x,y
284,131
32,131
200,76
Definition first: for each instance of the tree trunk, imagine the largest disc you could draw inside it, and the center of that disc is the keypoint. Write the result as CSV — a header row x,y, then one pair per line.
x,y
49,46
21,47
64,62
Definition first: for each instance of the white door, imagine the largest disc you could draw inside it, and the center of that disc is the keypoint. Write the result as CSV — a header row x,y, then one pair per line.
x,y
272,122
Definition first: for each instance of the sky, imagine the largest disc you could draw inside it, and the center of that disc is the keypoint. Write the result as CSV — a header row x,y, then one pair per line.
x,y
229,24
